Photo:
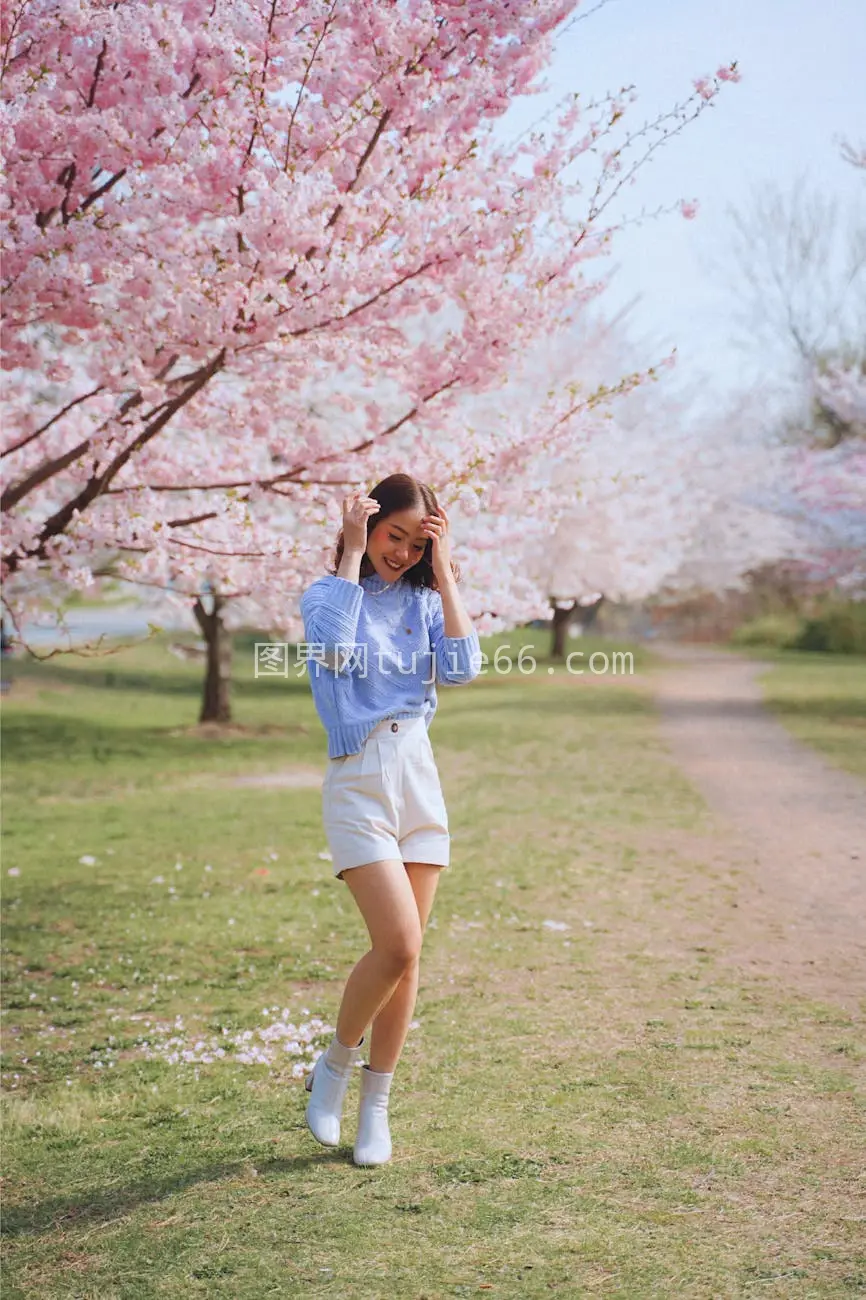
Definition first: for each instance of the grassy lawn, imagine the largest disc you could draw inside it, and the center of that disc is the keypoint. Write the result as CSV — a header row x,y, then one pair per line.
x,y
822,699
591,1101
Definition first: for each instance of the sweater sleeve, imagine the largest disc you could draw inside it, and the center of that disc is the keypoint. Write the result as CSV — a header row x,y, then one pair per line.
x,y
457,658
330,609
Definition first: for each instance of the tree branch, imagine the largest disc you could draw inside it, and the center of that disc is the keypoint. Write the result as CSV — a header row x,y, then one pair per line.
x,y
91,98
45,427
96,486
307,70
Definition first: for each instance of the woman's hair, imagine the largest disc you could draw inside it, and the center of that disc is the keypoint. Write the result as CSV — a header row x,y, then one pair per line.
x,y
395,493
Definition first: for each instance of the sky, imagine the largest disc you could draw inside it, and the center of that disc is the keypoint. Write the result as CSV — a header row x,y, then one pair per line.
x,y
803,88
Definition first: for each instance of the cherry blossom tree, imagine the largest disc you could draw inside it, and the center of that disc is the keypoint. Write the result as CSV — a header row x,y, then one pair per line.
x,y
651,497
209,205
757,496
223,219
838,395
596,513
537,430
669,501
823,489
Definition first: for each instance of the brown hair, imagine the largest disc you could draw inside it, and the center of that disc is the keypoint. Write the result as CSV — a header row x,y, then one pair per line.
x,y
395,493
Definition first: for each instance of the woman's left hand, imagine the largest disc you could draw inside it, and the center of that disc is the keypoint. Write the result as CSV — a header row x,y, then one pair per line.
x,y
436,527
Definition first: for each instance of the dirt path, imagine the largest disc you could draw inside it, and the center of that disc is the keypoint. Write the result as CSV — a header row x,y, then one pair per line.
x,y
795,825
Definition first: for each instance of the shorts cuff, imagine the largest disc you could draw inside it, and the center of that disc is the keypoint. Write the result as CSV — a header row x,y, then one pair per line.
x,y
383,851
436,852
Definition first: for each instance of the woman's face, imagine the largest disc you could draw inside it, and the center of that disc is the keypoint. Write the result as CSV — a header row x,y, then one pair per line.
x,y
396,544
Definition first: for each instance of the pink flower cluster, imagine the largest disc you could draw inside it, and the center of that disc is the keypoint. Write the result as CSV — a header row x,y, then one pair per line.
x,y
251,255
708,87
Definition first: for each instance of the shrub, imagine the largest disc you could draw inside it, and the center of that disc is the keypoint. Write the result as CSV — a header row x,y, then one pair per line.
x,y
776,630
839,629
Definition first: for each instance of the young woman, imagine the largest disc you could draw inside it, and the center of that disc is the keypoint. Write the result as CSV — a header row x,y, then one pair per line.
x,y
384,629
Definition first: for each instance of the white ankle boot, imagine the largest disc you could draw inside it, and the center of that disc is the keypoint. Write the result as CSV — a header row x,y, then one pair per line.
x,y
373,1143
327,1084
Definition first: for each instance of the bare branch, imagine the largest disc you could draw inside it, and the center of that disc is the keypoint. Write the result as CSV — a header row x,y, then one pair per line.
x,y
799,274
854,154
89,650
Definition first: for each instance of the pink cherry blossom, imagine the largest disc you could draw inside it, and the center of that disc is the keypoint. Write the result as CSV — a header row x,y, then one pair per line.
x,y
253,258
729,72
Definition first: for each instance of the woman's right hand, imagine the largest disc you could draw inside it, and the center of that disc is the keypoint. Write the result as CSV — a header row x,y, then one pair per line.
x,y
357,509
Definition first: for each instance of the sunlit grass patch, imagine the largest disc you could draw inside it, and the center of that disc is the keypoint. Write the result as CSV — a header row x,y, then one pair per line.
x,y
822,699
590,1100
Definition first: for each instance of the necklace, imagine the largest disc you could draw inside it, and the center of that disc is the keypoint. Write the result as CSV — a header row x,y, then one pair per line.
x,y
385,586
394,615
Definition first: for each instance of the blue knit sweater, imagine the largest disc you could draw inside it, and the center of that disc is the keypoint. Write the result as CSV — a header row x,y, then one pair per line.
x,y
397,632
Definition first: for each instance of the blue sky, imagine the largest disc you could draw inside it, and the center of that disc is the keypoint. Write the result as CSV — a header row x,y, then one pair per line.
x,y
803,87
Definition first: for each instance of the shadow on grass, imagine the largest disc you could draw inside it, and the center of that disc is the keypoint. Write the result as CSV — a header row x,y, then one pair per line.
x,y
30,739
598,703
848,709
159,681
33,737
819,709
841,710
104,1204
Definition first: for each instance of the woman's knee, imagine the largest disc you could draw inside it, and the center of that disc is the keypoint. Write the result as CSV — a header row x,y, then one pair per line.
x,y
401,950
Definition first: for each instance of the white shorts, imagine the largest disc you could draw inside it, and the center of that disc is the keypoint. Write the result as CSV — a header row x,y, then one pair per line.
x,y
386,801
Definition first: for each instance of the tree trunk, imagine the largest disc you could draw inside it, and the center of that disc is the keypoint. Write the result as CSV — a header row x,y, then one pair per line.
x,y
562,615
216,700
587,614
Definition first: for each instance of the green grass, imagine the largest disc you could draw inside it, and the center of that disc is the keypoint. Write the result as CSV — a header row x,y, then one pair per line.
x,y
822,699
607,1109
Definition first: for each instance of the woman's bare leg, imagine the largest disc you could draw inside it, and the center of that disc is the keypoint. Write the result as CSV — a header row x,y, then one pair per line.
x,y
384,894
391,1024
